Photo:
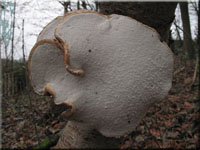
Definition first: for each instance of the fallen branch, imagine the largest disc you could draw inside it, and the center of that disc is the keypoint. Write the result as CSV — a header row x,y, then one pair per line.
x,y
195,71
179,70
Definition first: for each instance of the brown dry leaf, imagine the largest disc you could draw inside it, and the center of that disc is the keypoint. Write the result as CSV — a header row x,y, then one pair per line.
x,y
56,126
21,138
25,135
17,118
174,99
178,109
29,141
155,133
187,104
152,144
52,130
172,134
184,126
187,81
126,145
54,122
196,139
173,144
168,123
126,135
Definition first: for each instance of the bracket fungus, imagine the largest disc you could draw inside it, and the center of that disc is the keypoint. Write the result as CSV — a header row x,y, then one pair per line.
x,y
108,69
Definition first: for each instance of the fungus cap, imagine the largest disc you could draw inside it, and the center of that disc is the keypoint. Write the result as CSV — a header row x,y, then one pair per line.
x,y
126,67
48,31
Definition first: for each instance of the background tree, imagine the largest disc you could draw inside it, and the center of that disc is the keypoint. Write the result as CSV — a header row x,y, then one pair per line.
x,y
158,15
188,43
198,36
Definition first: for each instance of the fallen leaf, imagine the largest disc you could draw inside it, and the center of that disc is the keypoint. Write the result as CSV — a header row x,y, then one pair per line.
x,y
196,139
185,126
152,144
187,104
172,134
155,133
139,138
56,126
126,145
168,123
54,122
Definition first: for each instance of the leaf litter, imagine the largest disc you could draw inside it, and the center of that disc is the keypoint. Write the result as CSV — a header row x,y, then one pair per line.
x,y
173,123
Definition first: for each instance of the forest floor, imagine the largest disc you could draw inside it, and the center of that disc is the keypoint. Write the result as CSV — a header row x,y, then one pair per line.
x,y
173,123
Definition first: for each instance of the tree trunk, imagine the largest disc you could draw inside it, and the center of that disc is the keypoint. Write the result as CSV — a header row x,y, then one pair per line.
x,y
1,81
78,5
198,36
12,52
80,136
158,15
13,35
177,31
24,61
188,46
84,4
66,5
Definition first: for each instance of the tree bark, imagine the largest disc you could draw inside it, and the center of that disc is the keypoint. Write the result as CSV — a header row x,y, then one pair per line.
x,y
1,81
13,35
198,36
66,5
158,15
84,4
23,42
78,5
188,46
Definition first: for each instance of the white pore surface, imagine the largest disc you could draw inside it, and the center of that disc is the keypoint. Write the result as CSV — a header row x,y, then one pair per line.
x,y
127,70
48,31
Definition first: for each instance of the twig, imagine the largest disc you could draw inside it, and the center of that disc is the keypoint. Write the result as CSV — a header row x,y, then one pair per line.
x,y
195,71
177,26
28,89
179,70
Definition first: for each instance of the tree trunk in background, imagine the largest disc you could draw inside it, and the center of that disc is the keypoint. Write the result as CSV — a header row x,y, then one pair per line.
x,y
198,36
158,15
177,30
13,36
66,5
24,61
78,5
188,46
1,81
12,53
84,4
